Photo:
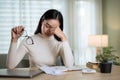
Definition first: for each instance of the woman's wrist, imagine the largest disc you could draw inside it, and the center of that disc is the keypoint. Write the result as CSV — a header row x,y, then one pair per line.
x,y
63,39
14,40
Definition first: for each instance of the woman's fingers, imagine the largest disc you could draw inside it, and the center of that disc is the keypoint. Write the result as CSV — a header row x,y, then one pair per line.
x,y
60,34
18,29
58,31
17,32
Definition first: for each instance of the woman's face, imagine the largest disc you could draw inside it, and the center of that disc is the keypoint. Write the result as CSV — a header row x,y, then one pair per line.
x,y
49,26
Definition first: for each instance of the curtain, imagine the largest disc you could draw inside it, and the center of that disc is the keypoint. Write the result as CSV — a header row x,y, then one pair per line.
x,y
86,20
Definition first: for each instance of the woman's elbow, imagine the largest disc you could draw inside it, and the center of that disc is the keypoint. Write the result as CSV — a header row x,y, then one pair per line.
x,y
10,66
69,64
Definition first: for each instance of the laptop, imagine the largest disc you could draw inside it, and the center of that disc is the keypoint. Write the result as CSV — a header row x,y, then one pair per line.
x,y
20,73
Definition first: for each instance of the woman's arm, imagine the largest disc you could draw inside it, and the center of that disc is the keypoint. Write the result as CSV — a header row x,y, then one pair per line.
x,y
64,48
15,54
66,53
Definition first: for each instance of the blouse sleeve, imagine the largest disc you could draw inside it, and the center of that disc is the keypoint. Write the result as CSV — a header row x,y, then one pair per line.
x,y
15,54
66,53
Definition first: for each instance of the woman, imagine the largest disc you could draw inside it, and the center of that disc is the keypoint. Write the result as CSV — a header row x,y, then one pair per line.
x,y
48,43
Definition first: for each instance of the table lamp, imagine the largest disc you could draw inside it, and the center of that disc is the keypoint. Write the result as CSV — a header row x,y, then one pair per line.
x,y
98,41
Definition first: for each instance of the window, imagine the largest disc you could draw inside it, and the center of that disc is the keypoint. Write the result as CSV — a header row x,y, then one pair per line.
x,y
23,12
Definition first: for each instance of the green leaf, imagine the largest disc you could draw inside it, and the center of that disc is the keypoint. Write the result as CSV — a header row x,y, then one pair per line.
x,y
107,55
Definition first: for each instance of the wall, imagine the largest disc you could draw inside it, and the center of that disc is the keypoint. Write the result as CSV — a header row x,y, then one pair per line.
x,y
111,22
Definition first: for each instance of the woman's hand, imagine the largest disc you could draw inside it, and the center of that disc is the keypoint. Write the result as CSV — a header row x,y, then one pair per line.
x,y
60,34
16,32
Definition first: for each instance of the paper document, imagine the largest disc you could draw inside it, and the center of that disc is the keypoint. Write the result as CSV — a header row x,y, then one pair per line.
x,y
88,70
58,70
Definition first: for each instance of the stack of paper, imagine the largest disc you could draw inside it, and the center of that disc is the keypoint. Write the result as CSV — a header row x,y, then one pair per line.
x,y
58,70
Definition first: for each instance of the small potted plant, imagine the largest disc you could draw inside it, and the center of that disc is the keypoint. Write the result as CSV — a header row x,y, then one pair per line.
x,y
106,59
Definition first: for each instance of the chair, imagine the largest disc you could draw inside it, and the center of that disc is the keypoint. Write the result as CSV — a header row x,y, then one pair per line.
x,y
23,64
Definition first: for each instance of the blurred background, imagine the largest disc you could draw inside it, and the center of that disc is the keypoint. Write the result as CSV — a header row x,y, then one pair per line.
x,y
81,18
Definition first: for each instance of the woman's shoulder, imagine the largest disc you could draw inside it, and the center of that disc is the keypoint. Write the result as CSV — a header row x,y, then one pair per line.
x,y
34,36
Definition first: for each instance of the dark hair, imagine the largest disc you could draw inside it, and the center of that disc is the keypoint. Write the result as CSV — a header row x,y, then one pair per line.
x,y
50,14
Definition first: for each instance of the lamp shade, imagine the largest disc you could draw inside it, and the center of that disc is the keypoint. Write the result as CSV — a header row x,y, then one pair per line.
x,y
98,40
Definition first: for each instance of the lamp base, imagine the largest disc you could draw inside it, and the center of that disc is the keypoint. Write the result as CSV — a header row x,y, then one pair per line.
x,y
98,50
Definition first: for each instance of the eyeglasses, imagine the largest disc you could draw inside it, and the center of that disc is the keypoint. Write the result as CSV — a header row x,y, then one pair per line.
x,y
29,39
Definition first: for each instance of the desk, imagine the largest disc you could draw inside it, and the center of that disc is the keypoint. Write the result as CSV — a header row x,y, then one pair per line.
x,y
76,75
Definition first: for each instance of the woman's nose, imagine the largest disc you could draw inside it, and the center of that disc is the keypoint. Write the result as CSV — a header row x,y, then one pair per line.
x,y
48,30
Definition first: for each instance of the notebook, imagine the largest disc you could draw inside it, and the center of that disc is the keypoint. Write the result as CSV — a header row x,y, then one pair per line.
x,y
20,73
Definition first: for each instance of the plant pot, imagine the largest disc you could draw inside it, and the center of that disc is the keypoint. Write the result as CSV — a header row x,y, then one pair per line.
x,y
105,67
